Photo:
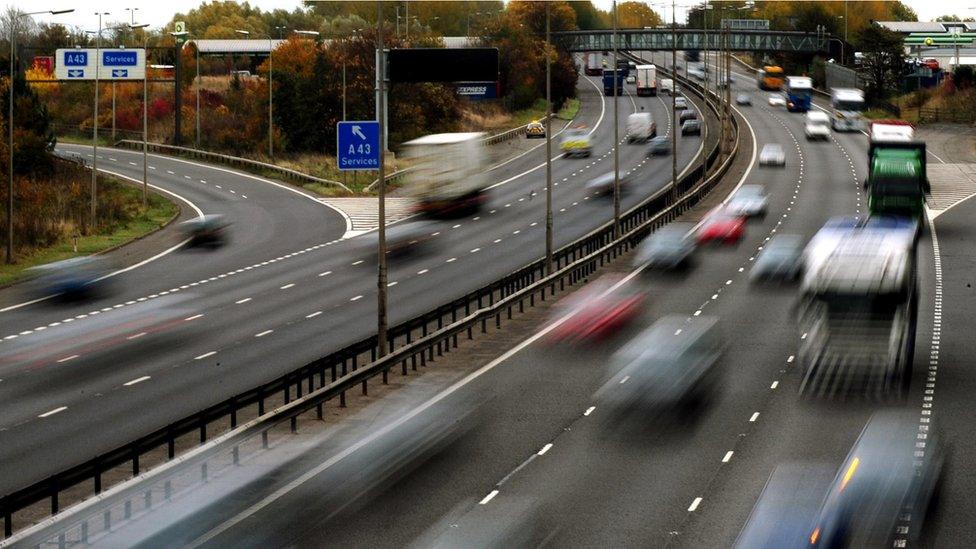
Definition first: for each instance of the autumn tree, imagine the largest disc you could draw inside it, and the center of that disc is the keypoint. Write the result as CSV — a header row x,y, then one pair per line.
x,y
588,17
884,60
636,15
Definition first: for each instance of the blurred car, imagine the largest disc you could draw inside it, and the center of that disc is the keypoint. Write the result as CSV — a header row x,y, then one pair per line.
x,y
71,279
687,115
660,145
576,142
680,102
535,129
603,184
403,238
884,477
772,154
674,365
722,227
207,230
780,259
743,99
910,226
670,247
749,201
631,79
691,127
776,100
597,313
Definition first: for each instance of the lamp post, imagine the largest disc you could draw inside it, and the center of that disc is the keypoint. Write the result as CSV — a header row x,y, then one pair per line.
x,y
10,125
270,92
94,176
616,131
381,319
145,117
549,227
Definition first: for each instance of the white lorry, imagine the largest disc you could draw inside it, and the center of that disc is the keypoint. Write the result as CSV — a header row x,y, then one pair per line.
x,y
846,109
447,173
594,63
646,80
817,125
641,127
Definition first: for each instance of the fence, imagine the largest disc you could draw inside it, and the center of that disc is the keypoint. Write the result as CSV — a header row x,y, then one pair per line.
x,y
937,114
412,343
238,161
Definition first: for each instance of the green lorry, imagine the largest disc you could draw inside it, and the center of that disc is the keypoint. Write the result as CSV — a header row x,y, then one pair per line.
x,y
897,183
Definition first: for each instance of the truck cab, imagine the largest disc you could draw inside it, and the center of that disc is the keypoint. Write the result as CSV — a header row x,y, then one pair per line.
x,y
897,183
798,93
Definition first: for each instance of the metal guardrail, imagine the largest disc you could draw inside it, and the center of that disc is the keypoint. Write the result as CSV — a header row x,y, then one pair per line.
x,y
286,173
412,342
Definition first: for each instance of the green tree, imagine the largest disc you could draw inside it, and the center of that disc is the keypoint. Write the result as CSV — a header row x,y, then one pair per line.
x,y
884,60
588,17
637,15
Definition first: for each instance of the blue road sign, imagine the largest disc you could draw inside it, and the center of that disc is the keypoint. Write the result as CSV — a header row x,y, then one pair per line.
x,y
358,145
119,58
76,59
119,73
76,73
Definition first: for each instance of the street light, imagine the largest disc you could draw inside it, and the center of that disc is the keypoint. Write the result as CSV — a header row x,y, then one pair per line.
x,y
145,116
270,92
94,176
10,125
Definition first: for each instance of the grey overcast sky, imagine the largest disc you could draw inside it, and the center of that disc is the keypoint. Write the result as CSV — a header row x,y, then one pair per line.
x,y
159,13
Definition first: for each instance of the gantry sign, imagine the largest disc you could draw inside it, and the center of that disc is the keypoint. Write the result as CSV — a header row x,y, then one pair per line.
x,y
662,39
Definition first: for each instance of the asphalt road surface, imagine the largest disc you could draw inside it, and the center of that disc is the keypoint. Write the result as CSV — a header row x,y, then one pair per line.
x,y
282,294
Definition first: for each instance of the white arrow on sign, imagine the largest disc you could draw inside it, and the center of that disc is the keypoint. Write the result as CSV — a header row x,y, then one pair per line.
x,y
358,132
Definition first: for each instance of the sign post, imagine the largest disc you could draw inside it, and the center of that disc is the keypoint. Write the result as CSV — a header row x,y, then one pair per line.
x,y
116,64
358,145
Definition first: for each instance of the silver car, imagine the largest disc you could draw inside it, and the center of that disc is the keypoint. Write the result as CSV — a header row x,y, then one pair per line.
x,y
772,154
743,99
776,100
749,201
660,145
780,259
667,248
680,103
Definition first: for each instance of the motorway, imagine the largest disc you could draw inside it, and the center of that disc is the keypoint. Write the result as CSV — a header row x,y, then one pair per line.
x,y
284,292
548,459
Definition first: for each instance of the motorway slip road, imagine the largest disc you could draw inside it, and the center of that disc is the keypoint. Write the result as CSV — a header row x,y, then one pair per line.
x,y
280,308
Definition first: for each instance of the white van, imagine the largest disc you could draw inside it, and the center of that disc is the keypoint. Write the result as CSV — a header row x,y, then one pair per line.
x,y
817,125
640,127
666,86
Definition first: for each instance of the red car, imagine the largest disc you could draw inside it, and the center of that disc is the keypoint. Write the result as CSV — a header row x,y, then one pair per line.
x,y
721,226
596,311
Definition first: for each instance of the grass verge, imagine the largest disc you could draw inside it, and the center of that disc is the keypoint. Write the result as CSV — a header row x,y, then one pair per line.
x,y
159,213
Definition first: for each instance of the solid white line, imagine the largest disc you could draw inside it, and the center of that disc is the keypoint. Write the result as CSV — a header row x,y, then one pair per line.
x,y
54,411
245,300
728,456
205,355
544,449
194,317
136,336
67,358
313,315
264,333
136,380
695,504
491,495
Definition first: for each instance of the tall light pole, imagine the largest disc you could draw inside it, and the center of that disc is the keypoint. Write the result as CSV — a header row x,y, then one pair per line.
x,y
674,96
10,126
270,91
843,61
705,85
145,116
548,150
94,176
381,320
616,132
199,84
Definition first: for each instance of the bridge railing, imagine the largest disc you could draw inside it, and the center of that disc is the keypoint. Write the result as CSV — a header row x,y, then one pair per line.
x,y
415,342
691,39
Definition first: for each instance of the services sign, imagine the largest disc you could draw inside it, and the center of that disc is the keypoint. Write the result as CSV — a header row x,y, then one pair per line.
x,y
114,64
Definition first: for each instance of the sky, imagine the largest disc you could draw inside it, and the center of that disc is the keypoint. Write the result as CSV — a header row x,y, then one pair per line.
x,y
158,13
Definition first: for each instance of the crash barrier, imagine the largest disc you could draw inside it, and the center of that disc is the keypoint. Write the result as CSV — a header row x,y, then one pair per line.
x,y
217,158
413,344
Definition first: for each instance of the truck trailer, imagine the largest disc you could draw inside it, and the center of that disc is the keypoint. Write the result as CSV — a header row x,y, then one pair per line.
x,y
447,177
608,77
593,63
897,182
646,80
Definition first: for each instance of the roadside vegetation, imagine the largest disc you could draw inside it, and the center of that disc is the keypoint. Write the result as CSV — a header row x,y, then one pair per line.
x,y
52,196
